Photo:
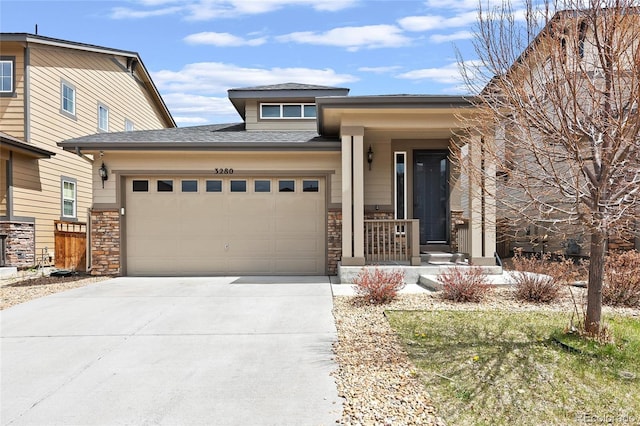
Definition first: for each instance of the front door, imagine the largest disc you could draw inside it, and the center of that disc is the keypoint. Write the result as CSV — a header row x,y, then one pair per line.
x,y
431,195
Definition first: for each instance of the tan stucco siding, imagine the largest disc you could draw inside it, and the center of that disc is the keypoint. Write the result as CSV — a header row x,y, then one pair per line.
x,y
243,164
12,108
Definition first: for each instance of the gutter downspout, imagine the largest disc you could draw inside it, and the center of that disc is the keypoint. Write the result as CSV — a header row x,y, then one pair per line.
x,y
80,154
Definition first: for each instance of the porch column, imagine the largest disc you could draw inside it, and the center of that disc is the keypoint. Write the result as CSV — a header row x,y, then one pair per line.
x,y
352,196
481,207
490,199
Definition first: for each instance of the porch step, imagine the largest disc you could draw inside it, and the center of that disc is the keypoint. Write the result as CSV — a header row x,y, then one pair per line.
x,y
442,258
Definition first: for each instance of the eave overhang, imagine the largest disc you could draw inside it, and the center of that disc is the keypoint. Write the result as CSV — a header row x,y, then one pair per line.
x,y
16,145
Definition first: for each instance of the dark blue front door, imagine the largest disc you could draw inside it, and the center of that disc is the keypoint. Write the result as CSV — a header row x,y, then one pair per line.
x,y
431,195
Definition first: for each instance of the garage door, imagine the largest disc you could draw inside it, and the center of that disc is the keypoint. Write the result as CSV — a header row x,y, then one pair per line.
x,y
199,226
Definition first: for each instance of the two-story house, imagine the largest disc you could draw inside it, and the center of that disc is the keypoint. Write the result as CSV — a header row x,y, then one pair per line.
x,y
52,90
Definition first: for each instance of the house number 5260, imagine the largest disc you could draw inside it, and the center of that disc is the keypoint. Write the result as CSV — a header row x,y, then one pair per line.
x,y
223,171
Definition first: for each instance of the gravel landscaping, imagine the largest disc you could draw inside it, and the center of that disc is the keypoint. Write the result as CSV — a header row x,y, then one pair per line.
x,y
374,376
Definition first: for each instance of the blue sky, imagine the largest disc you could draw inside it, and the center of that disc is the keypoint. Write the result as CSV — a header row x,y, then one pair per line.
x,y
196,50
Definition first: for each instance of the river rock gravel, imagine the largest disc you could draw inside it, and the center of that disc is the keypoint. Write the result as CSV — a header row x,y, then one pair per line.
x,y
375,377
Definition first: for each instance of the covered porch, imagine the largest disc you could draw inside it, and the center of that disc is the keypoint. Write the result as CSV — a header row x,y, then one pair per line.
x,y
404,202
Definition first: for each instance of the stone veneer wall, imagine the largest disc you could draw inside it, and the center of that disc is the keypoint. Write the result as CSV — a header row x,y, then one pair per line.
x,y
334,240
20,243
105,242
456,219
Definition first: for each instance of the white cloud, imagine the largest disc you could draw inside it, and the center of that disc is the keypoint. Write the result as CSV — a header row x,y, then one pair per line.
x,y
192,109
449,74
216,78
379,70
435,22
127,13
222,39
202,10
460,35
352,38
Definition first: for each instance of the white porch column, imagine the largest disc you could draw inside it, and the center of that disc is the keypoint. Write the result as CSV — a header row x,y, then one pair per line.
x,y
481,252
490,199
358,196
352,196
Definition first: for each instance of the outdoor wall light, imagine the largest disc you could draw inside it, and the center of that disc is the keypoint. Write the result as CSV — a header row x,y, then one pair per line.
x,y
370,156
102,171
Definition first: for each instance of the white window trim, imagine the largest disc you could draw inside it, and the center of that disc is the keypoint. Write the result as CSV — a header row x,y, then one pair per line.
x,y
282,105
129,126
64,84
395,184
72,181
10,60
102,106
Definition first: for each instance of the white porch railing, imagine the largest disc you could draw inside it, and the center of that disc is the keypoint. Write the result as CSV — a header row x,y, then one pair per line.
x,y
462,237
392,240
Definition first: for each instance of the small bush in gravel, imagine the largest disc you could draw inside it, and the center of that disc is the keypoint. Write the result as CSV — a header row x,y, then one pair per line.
x,y
622,280
461,284
378,286
539,279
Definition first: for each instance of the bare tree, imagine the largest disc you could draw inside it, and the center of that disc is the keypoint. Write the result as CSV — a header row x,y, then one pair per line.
x,y
560,119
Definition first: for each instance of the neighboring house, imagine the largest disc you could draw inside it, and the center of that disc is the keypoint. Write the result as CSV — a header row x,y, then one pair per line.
x,y
52,90
567,72
310,178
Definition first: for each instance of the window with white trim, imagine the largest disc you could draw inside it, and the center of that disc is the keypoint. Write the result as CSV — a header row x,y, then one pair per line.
x,y
128,125
273,111
400,184
7,77
103,118
67,98
69,197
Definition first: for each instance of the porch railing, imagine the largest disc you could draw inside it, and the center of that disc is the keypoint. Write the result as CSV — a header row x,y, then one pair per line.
x,y
392,241
462,236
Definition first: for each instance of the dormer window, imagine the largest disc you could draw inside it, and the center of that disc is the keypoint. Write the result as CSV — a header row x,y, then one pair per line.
x,y
271,111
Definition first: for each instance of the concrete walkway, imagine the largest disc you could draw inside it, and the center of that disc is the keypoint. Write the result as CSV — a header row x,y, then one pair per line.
x,y
172,351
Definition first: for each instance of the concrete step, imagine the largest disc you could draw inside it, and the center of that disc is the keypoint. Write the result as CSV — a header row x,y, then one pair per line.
x,y
442,258
7,272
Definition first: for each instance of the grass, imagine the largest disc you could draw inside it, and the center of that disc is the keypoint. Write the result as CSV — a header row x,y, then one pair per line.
x,y
504,368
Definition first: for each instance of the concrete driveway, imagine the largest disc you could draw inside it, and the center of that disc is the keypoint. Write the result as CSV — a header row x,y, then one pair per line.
x,y
172,351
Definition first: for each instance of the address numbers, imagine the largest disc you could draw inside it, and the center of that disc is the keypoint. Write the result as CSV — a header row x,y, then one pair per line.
x,y
223,171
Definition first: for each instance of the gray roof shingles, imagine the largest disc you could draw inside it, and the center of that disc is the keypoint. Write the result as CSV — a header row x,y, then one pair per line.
x,y
222,134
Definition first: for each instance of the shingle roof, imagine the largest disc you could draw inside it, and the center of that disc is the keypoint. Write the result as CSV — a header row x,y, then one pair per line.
x,y
215,136
288,86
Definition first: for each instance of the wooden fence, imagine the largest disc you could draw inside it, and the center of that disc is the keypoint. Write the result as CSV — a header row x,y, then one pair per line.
x,y
71,245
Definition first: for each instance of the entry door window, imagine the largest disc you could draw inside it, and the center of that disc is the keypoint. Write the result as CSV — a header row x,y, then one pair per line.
x,y
400,185
431,195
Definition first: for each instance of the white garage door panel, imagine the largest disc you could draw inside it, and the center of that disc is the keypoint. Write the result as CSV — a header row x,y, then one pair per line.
x,y
198,233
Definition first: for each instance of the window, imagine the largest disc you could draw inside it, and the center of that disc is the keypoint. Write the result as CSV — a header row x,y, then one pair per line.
x,y
262,186
310,186
238,186
68,99
103,118
128,125
7,77
189,186
69,194
286,186
165,185
400,185
213,186
287,111
140,186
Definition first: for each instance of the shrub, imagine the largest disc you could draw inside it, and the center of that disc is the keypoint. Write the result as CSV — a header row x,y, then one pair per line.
x,y
539,279
461,284
622,279
378,286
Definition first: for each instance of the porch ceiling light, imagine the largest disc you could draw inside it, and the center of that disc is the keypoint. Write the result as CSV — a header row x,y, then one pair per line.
x,y
370,156
102,171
